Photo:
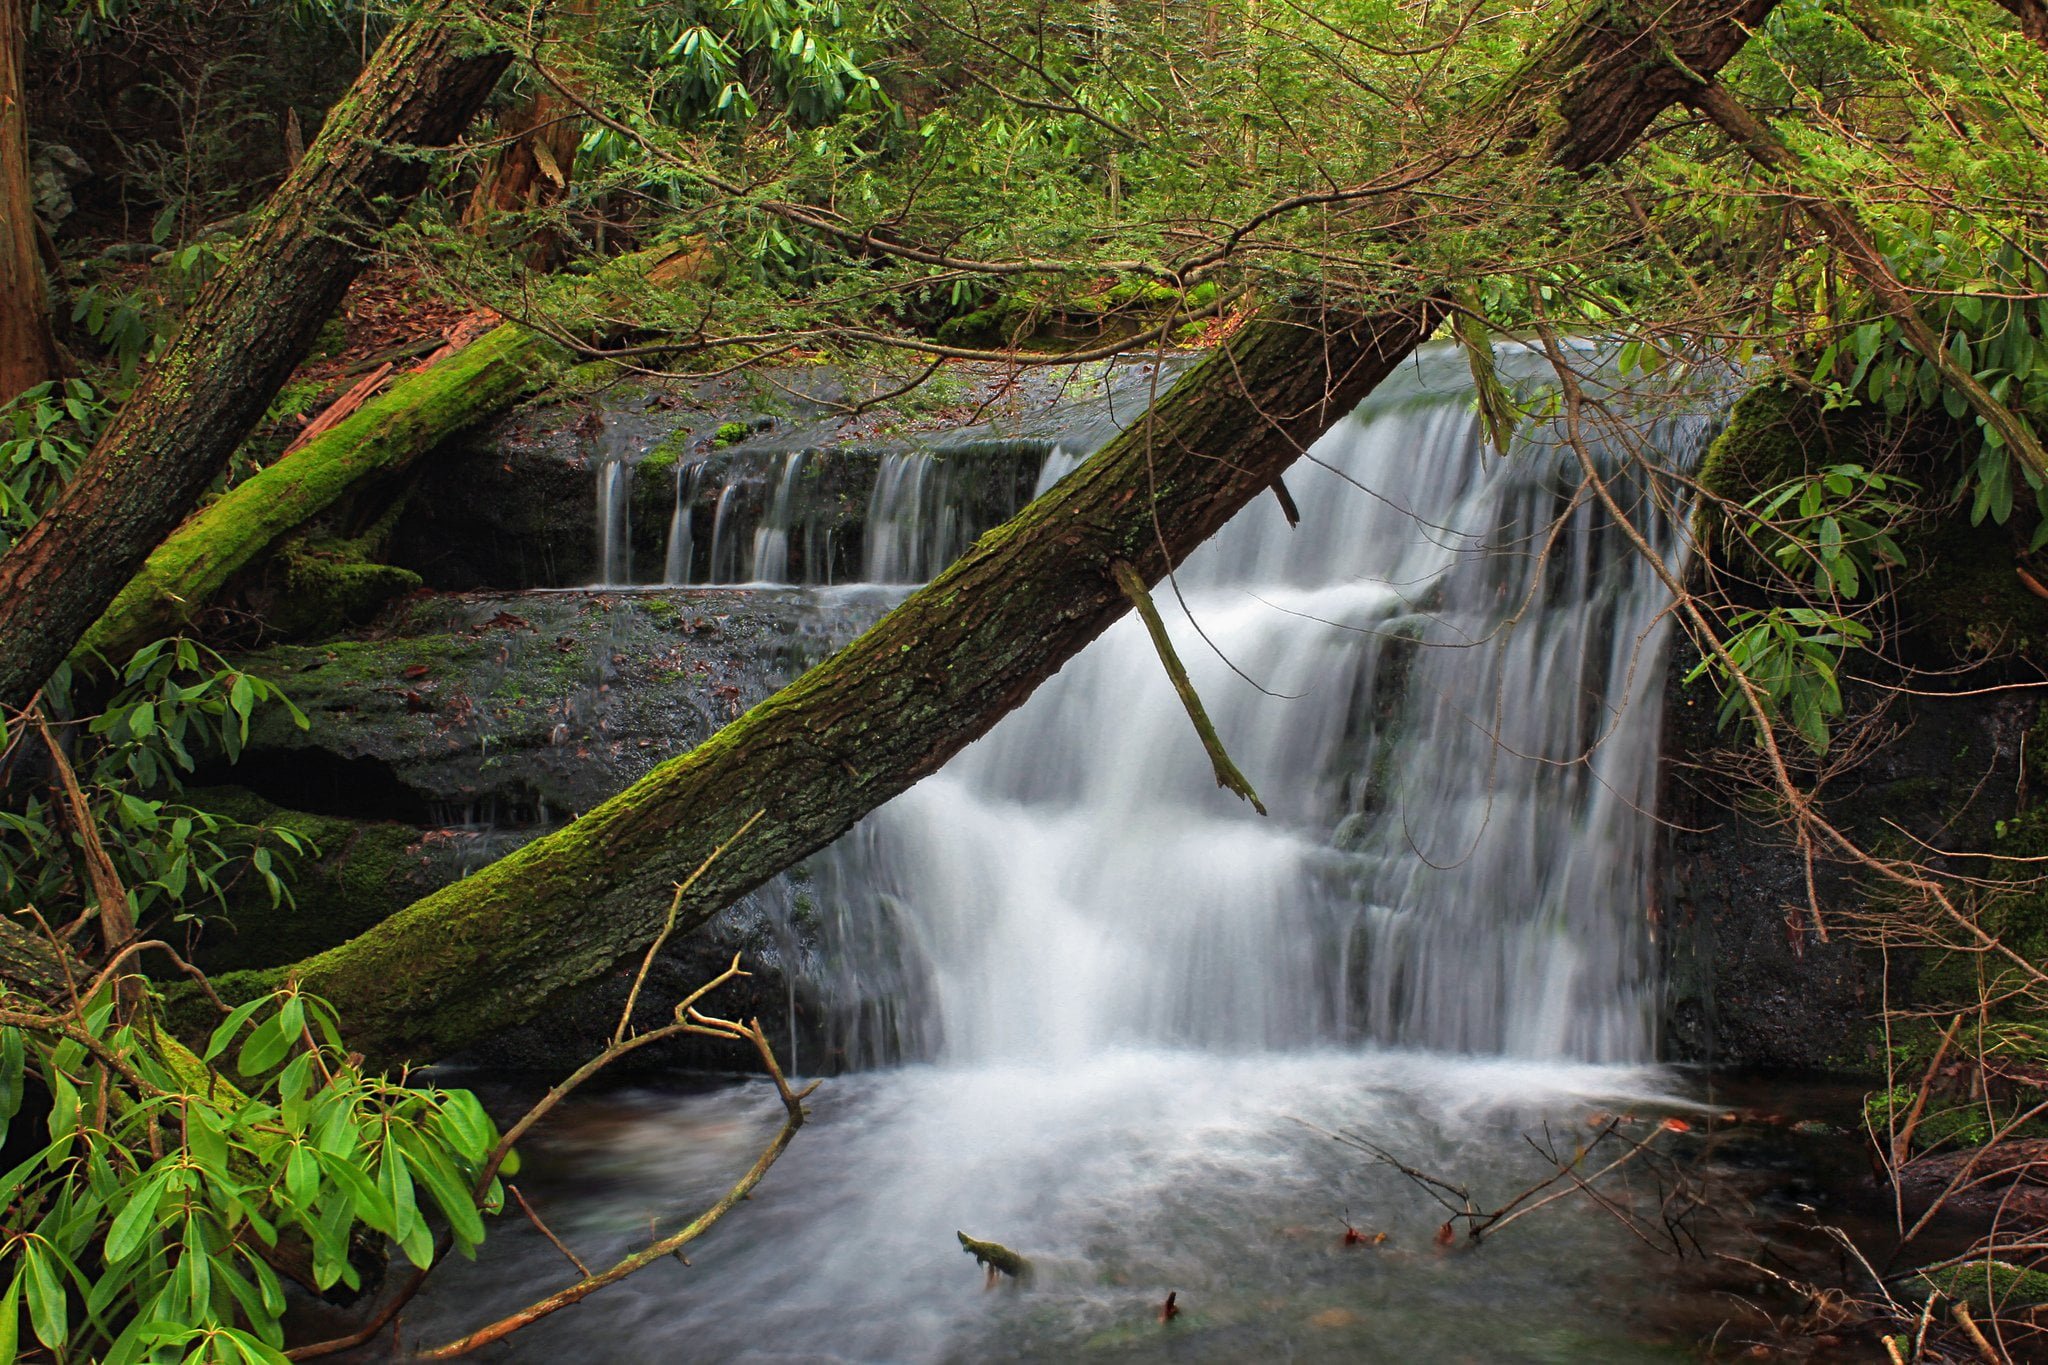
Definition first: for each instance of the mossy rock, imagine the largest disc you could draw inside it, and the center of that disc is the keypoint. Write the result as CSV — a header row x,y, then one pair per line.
x,y
323,586
361,873
1984,1285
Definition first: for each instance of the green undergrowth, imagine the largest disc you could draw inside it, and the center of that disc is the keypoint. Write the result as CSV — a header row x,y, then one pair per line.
x,y
1961,593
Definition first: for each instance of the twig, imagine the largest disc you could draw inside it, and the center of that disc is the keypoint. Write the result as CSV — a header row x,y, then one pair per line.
x,y
117,930
1975,1334
1902,1141
1227,774
669,927
792,1102
548,1232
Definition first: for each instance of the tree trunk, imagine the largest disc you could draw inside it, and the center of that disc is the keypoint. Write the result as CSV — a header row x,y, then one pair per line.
x,y
247,331
28,351
2033,17
376,444
533,169
936,673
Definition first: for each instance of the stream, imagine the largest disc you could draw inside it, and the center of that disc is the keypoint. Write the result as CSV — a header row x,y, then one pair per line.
x,y
1086,1004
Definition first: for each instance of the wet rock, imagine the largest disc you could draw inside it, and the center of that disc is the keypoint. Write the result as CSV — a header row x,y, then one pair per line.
x,y
1749,981
524,710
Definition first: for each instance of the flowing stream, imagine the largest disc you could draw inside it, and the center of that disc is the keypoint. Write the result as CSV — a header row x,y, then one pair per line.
x,y
1099,1010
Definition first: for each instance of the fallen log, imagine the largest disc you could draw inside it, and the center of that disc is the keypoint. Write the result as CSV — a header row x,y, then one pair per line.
x,y
374,446
935,674
377,443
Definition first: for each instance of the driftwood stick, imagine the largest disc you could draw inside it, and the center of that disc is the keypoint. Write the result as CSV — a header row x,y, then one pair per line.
x,y
672,1245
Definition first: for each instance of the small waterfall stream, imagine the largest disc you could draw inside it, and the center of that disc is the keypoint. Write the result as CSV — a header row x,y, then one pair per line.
x,y
1103,1008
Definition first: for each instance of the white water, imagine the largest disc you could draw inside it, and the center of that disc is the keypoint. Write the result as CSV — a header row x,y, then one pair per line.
x,y
1460,762
1133,994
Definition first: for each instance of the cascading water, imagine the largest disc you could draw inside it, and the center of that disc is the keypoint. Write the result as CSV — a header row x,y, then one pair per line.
x,y
833,515
614,530
1456,736
1107,1007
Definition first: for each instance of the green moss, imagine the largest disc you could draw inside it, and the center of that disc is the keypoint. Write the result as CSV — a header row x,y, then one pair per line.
x,y
327,585
1984,1284
730,433
378,441
1773,434
363,873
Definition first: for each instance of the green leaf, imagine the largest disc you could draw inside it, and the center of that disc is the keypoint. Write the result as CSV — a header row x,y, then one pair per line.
x,y
265,1047
366,1201
232,1025
49,1309
137,1218
10,1321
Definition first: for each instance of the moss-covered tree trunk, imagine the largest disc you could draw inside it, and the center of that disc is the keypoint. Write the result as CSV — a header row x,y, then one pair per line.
x,y
968,648
376,444
247,331
28,352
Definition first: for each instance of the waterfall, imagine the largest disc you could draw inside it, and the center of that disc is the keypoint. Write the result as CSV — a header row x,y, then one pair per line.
x,y
1460,659
914,522
770,563
676,563
614,528
788,516
1147,1006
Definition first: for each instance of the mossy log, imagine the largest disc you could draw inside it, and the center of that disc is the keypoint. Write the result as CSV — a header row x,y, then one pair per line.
x,y
247,331
954,658
375,444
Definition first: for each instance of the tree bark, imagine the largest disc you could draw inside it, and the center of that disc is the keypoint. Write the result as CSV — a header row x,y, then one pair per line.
x,y
935,674
2033,17
247,331
28,350
533,169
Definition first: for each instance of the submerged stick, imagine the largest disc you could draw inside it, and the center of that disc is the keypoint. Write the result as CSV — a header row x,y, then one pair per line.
x,y
1227,774
996,1257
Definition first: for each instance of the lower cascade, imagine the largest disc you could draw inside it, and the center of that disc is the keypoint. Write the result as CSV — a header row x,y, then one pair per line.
x,y
1089,1006
1446,684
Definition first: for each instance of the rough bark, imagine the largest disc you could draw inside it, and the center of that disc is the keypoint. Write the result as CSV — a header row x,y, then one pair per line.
x,y
245,334
2033,17
534,167
376,444
935,674
28,351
